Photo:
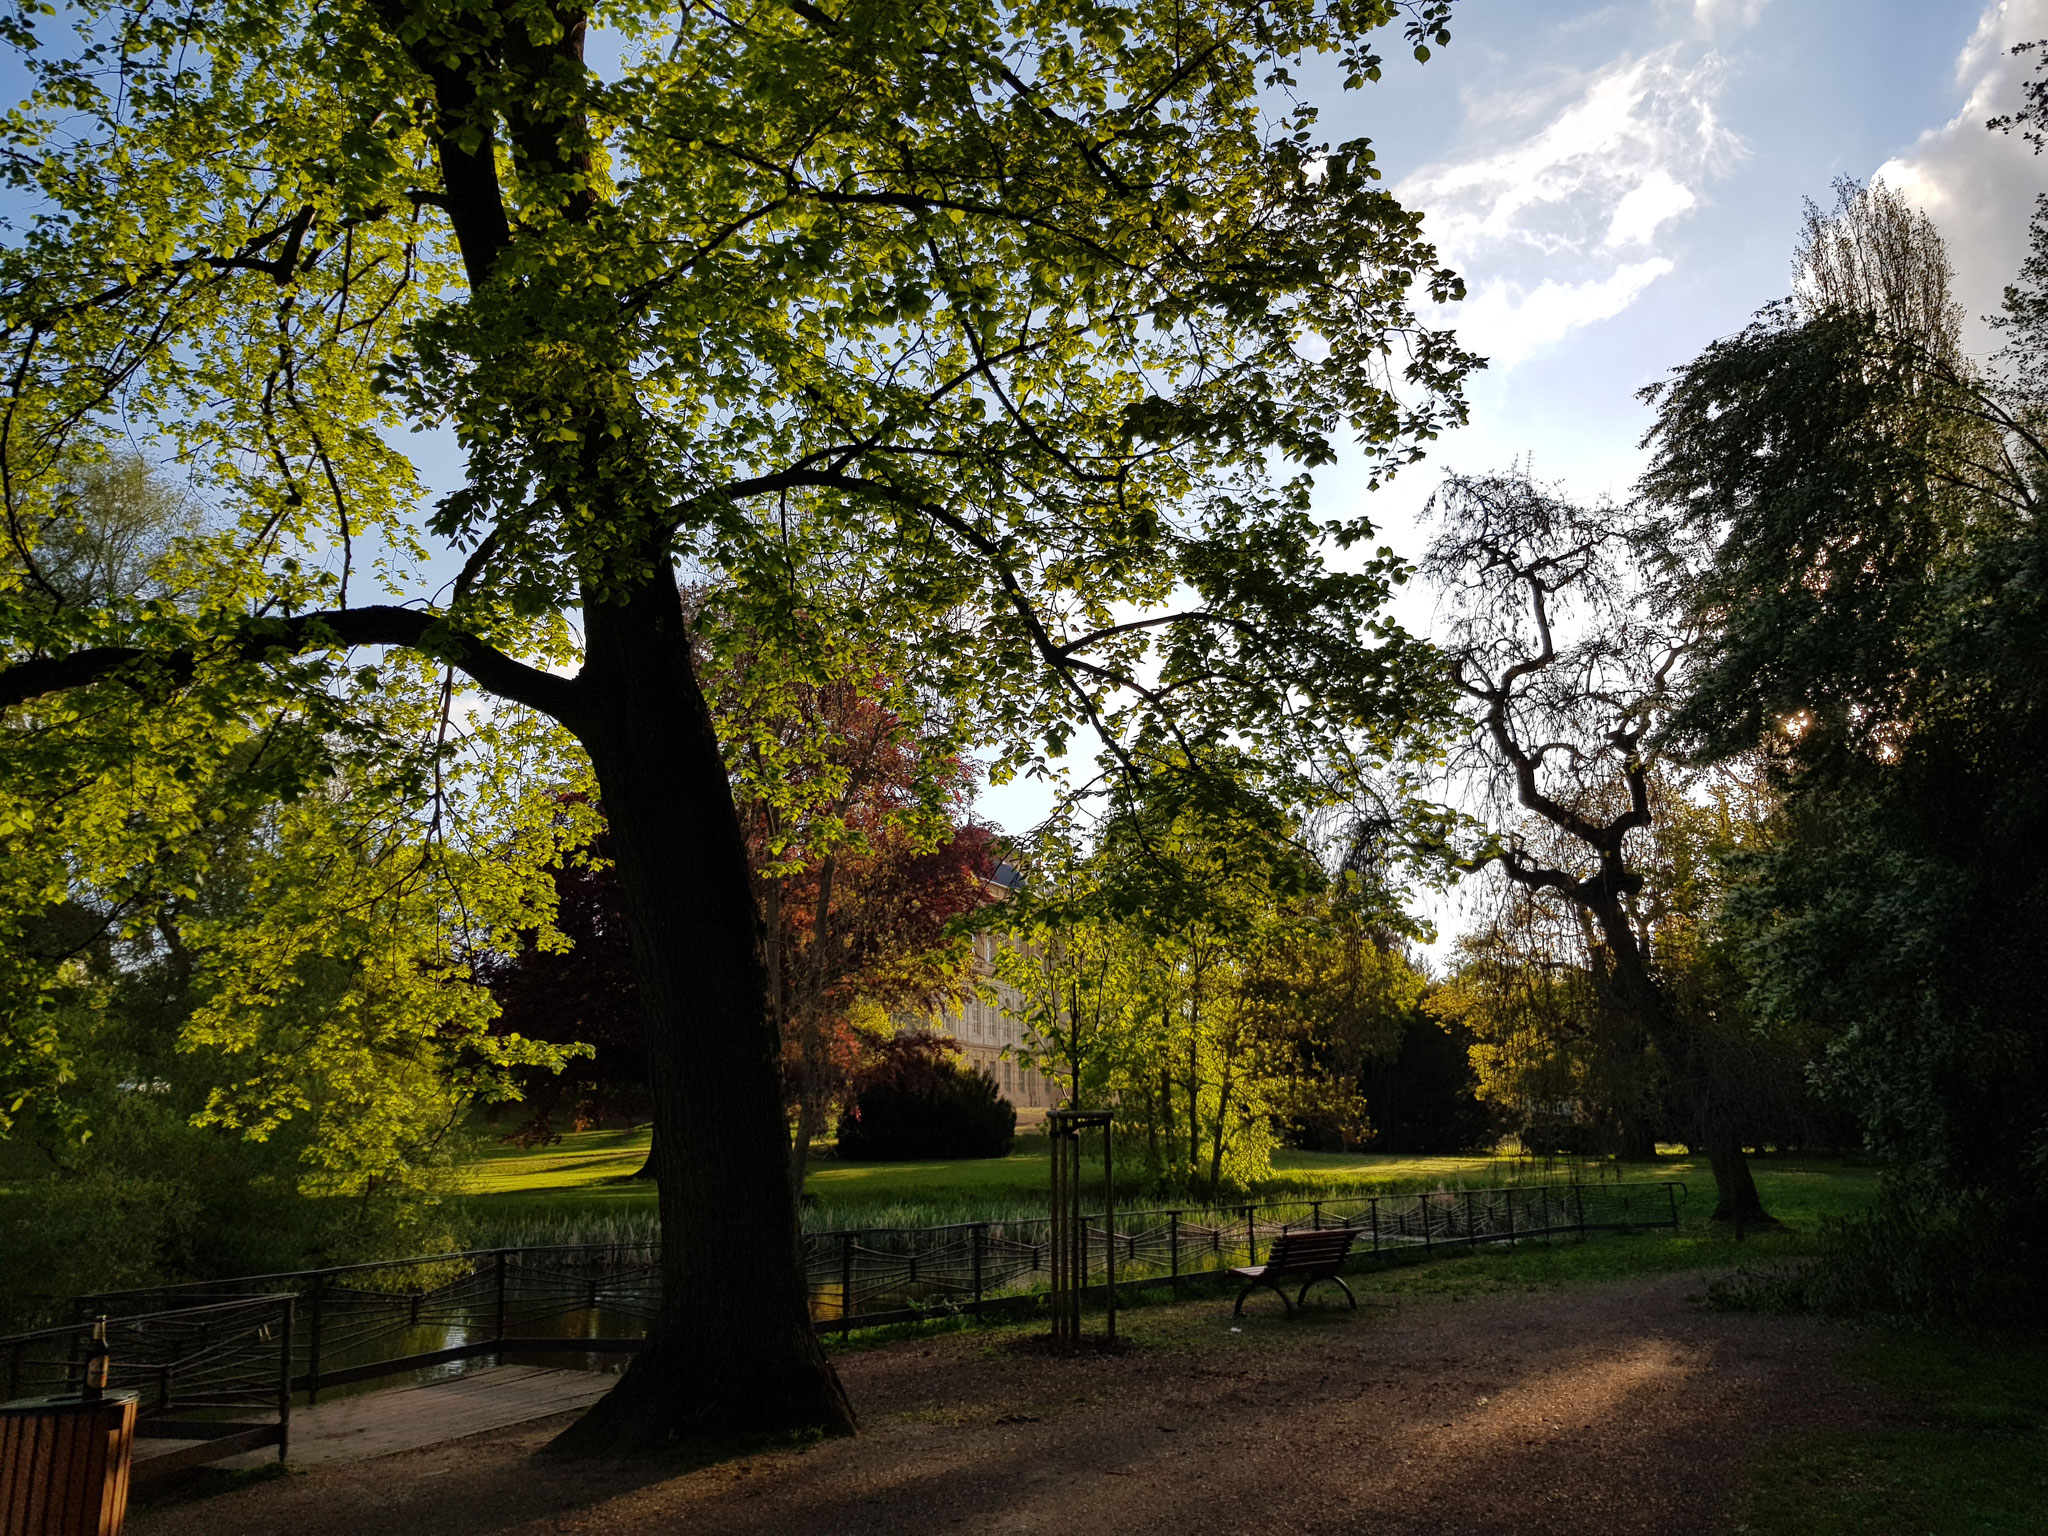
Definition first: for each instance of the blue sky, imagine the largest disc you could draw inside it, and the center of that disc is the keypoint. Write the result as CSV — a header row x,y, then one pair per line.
x,y
1621,183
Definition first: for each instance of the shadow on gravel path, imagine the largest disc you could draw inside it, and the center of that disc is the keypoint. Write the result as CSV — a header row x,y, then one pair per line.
x,y
1605,1411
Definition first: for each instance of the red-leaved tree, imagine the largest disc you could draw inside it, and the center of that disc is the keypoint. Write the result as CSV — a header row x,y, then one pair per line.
x,y
861,860
584,994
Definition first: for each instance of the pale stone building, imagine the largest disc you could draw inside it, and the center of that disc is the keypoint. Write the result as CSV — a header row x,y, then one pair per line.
x,y
991,1038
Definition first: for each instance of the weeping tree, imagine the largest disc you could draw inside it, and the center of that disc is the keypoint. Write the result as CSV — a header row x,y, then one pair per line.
x,y
1865,503
1565,658
1038,316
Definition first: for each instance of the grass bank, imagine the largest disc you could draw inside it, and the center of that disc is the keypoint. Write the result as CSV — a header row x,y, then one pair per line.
x,y
1976,1465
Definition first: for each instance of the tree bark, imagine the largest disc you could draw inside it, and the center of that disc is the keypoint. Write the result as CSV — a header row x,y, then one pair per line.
x,y
651,1169
732,1349
1637,989
810,1119
1638,1140
1737,1200
1216,1142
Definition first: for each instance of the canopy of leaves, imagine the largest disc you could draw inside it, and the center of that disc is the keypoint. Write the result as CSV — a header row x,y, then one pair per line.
x,y
1878,600
991,345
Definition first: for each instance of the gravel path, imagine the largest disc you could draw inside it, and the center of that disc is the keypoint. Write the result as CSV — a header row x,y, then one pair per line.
x,y
1604,1411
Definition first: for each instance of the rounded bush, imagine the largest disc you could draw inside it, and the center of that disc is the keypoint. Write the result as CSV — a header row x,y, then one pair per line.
x,y
916,1103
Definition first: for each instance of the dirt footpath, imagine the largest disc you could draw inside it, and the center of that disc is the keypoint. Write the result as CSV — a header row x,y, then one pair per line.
x,y
1604,1411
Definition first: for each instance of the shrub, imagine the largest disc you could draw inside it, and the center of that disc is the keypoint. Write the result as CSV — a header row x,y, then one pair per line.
x,y
1914,1260
916,1101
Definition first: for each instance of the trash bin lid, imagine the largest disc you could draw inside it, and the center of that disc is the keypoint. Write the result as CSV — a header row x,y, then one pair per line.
x,y
59,1400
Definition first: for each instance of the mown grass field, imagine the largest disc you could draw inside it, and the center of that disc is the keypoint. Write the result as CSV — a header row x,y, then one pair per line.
x,y
585,1184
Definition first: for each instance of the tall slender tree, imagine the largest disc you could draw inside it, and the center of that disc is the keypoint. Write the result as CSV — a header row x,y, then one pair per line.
x,y
1866,502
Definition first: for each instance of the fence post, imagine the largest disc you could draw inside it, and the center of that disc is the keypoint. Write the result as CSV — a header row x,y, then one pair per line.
x,y
1109,1228
980,1239
1251,1238
1374,1203
1173,1248
284,1381
1422,1204
1579,1201
845,1281
1511,1215
1471,1223
501,1296
313,1343
1315,1214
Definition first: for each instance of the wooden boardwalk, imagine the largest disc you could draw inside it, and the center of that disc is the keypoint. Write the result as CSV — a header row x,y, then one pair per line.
x,y
409,1418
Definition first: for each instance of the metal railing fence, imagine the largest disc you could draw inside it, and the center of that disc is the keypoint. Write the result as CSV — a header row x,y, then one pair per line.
x,y
199,1372
875,1275
316,1330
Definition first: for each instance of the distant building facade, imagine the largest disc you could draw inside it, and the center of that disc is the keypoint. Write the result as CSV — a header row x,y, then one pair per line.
x,y
990,1034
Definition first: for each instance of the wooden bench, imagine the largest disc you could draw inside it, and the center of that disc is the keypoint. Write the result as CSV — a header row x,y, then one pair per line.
x,y
1304,1256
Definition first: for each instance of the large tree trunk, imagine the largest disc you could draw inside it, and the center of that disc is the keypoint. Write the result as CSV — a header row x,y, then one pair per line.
x,y
1737,1199
732,1349
1636,989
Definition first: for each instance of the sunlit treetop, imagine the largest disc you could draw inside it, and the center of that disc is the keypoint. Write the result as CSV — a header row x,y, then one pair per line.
x,y
1029,315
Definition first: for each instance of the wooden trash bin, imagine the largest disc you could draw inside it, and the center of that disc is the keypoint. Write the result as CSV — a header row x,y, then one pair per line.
x,y
64,1464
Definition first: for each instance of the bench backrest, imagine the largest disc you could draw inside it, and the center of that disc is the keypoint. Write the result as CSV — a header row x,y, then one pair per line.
x,y
1310,1250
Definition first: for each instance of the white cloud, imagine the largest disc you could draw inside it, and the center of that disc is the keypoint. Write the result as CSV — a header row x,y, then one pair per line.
x,y
1716,17
1977,186
1506,325
1634,118
1556,220
1656,198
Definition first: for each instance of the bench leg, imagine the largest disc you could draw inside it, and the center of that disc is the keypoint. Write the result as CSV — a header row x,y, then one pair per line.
x,y
1339,1282
1239,1311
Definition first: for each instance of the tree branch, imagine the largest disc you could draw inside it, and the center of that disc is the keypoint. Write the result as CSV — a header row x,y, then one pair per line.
x,y
338,629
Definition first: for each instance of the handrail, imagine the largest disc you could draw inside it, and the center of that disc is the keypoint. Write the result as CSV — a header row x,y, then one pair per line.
x,y
368,1264
128,1318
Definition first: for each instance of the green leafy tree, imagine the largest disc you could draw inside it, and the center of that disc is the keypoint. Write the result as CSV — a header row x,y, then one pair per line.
x,y
268,1051
1868,503
1040,315
1560,1069
1571,1072
1173,973
1327,985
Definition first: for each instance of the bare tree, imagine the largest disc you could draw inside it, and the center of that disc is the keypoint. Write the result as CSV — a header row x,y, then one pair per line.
x,y
1565,661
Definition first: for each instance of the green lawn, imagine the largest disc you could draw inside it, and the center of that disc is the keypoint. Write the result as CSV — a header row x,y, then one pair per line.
x,y
592,1172
1978,1467
585,1182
